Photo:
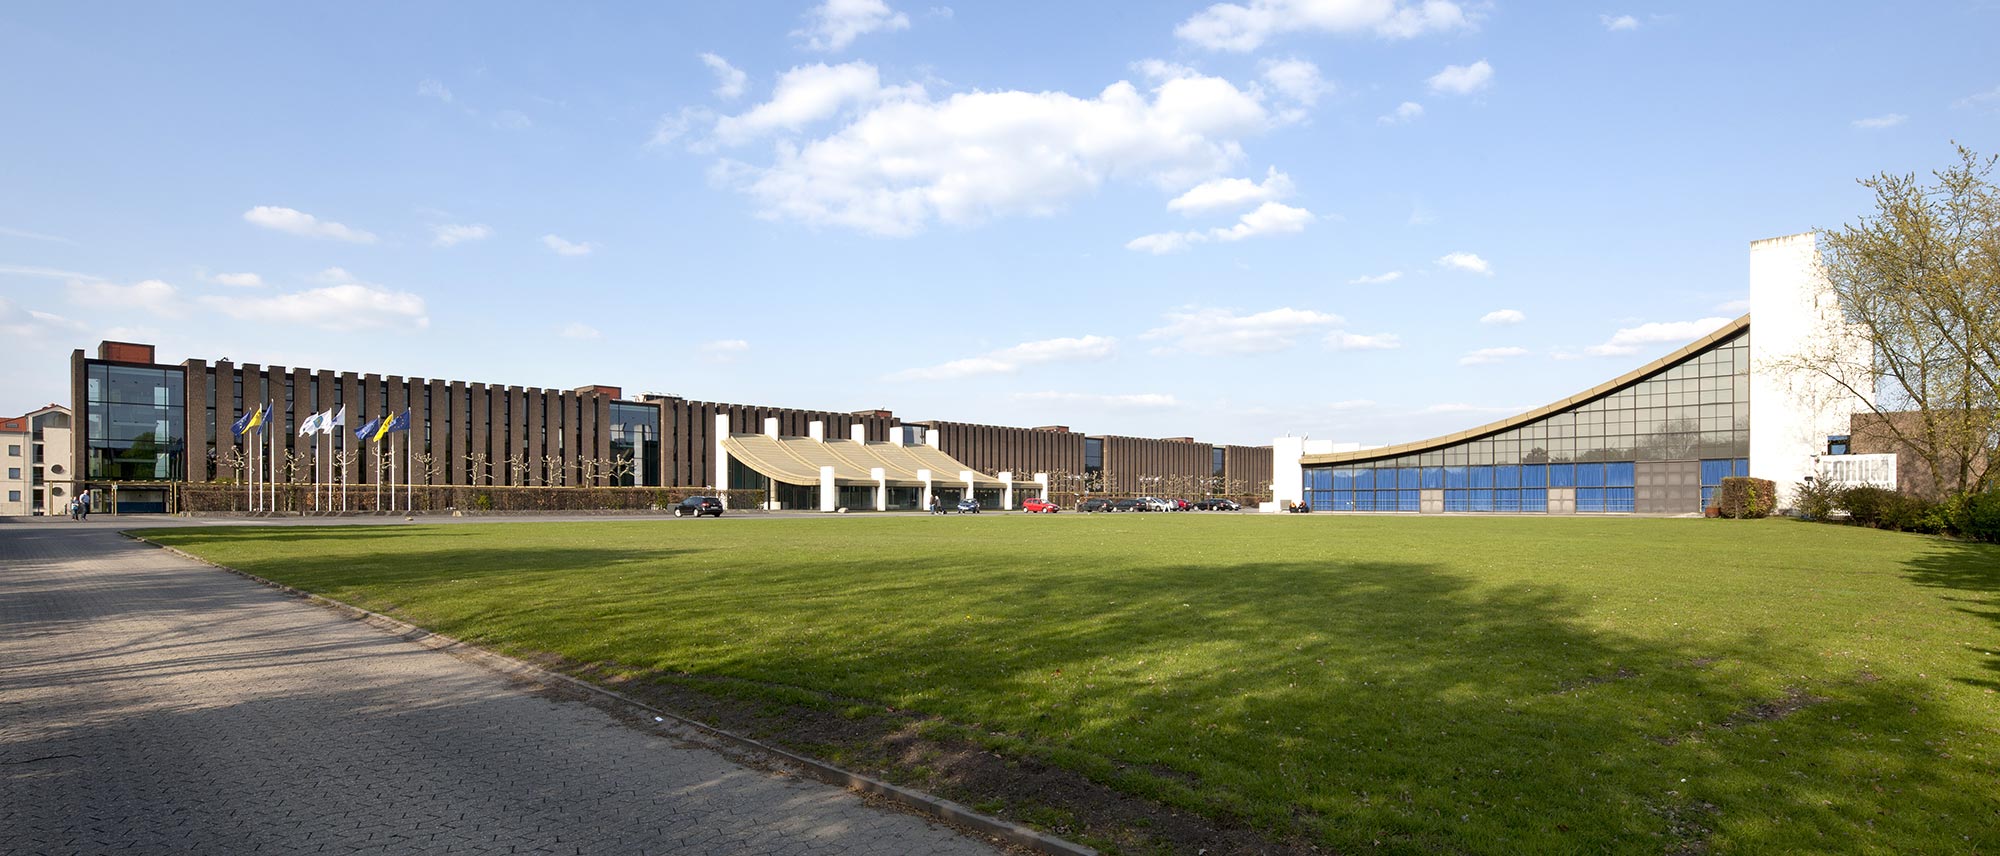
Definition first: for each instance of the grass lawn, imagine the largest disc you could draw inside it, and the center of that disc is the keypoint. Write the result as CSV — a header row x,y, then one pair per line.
x,y
1444,685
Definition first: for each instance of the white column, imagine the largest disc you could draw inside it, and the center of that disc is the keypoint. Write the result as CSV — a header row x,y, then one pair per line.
x,y
896,434
924,502
1043,480
1006,490
859,433
771,427
965,476
1792,412
721,459
931,438
881,477
816,430
1288,479
829,493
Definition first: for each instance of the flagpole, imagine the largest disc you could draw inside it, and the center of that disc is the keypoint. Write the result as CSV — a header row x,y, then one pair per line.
x,y
409,471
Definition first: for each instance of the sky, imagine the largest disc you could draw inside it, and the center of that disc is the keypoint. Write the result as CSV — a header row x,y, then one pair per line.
x,y
1373,221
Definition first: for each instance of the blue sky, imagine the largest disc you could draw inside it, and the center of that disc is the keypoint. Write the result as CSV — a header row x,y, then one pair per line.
x,y
1366,220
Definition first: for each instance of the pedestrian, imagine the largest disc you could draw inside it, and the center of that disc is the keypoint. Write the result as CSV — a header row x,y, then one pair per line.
x,y
937,506
83,505
72,509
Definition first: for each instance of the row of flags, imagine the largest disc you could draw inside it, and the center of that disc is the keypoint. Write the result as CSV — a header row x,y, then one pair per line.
x,y
324,423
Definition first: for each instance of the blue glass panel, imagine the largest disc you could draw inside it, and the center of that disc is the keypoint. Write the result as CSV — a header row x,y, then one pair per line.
x,y
1322,501
1343,479
1713,471
1457,500
1481,476
1408,500
1618,499
1618,474
1482,499
1742,466
1589,475
1507,475
1407,477
1535,499
1433,478
1343,500
1506,500
1589,500
1455,477
1364,479
1534,475
1562,475
1707,497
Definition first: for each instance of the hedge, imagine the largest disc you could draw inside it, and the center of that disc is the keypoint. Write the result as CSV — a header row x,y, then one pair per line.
x,y
213,498
1742,497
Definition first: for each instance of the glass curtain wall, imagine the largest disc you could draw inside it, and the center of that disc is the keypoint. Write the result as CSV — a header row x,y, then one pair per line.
x,y
635,436
133,423
1695,411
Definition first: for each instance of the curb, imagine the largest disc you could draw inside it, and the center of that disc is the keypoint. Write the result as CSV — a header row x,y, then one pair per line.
x,y
927,804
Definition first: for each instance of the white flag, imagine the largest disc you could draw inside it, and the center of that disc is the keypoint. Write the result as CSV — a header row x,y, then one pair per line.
x,y
310,425
334,419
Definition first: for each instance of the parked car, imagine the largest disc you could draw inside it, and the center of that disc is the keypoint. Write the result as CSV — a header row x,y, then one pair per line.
x,y
1131,505
1154,503
1090,505
968,506
1180,504
1034,505
696,506
1217,504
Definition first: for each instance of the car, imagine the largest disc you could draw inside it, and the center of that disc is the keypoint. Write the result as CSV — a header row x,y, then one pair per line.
x,y
696,506
1217,504
1089,505
1180,504
968,506
1035,505
1131,505
1154,503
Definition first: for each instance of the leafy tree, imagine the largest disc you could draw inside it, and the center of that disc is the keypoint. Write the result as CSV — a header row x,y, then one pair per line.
x,y
1919,277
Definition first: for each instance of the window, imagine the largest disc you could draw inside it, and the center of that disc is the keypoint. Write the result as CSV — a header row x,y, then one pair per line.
x,y
1837,444
1093,454
13,450
13,472
13,496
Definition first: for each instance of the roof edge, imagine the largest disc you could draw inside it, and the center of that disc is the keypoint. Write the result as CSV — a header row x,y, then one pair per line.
x,y
1598,391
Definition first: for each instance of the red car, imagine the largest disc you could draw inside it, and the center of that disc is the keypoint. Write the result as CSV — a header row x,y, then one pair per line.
x,y
1037,506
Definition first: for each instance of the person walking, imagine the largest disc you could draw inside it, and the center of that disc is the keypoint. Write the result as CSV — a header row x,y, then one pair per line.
x,y
83,505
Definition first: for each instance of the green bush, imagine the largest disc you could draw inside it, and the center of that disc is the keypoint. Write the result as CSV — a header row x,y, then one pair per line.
x,y
1814,500
1979,517
1742,498
1867,505
1906,513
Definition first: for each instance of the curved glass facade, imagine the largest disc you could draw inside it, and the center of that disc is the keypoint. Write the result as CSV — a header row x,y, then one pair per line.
x,y
1659,444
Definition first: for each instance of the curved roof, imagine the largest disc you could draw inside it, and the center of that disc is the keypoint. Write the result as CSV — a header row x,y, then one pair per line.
x,y
1606,388
769,458
797,460
858,455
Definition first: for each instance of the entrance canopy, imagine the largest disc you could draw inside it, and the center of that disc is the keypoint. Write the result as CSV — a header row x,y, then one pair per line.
x,y
799,461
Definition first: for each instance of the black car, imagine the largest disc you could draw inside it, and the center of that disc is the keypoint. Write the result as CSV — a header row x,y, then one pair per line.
x,y
1090,505
1217,504
1131,505
696,506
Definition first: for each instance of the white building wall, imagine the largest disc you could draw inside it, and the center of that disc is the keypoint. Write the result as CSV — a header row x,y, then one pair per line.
x,y
1288,477
16,494
1793,318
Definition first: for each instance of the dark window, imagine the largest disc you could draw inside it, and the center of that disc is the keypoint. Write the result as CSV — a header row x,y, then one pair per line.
x,y
1837,444
1093,454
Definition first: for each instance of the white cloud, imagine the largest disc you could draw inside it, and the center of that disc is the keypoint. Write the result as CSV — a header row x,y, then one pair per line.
x,y
1631,340
1296,79
1222,331
1009,360
1466,262
512,120
151,295
1616,23
907,160
808,94
579,330
44,273
1472,408
1503,316
1341,340
568,248
1486,356
18,323
448,234
673,127
34,236
239,280
1462,79
1230,193
1886,120
1241,28
729,80
725,350
1142,399
1406,112
295,222
1978,99
1376,279
1736,307
345,306
1270,218
432,88
835,24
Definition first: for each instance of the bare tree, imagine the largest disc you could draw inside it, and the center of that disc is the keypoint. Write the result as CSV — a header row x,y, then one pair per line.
x,y
480,470
518,467
341,461
552,465
237,460
622,467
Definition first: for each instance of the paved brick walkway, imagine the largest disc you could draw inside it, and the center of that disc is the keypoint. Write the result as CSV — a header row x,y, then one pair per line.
x,y
153,705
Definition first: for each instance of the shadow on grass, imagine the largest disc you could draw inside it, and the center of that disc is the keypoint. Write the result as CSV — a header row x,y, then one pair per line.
x,y
1973,571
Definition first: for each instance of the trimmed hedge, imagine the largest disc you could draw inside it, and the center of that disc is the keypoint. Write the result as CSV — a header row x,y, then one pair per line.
x,y
1743,498
300,499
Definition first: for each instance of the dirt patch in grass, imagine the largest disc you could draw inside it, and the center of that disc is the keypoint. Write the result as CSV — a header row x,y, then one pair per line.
x,y
1588,681
931,755
1768,710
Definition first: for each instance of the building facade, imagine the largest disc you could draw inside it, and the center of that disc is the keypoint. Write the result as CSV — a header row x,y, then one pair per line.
x,y
35,463
148,425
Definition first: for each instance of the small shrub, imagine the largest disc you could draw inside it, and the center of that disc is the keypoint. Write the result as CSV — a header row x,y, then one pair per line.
x,y
1905,513
483,502
1979,517
1742,497
1868,504
1816,499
